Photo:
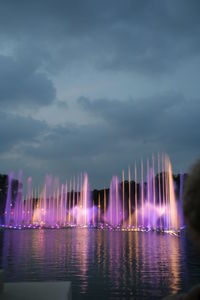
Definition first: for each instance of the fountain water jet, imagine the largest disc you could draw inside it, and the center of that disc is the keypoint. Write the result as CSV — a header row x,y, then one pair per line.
x,y
114,211
150,205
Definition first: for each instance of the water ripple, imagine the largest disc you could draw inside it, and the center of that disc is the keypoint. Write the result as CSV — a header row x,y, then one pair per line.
x,y
102,264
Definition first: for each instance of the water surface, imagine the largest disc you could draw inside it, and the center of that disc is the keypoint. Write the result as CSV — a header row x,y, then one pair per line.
x,y
102,264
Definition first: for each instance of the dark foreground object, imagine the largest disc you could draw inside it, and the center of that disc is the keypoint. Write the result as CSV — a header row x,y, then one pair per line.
x,y
36,291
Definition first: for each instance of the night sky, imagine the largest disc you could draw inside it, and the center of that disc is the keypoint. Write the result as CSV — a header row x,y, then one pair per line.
x,y
95,85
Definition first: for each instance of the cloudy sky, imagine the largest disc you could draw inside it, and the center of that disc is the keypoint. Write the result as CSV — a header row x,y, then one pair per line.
x,y
89,85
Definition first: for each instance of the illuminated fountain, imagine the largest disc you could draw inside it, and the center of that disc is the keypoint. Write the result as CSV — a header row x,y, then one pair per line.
x,y
61,208
83,209
147,203
8,210
114,212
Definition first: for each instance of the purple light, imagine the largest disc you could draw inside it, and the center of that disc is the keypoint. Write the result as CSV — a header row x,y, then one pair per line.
x,y
152,205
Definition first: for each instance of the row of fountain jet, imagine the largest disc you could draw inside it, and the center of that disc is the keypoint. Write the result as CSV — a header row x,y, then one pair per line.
x,y
152,206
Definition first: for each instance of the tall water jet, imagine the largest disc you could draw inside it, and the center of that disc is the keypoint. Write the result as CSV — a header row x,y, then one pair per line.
x,y
123,200
69,207
62,208
65,205
9,200
99,209
105,203
114,211
154,193
172,205
49,211
7,212
136,199
142,194
84,211
148,195
159,191
73,202
129,198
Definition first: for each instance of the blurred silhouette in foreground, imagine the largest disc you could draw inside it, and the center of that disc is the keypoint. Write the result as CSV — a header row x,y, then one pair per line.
x,y
191,210
191,204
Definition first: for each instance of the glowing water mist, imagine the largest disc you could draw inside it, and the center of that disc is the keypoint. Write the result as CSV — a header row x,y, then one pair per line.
x,y
147,203
114,212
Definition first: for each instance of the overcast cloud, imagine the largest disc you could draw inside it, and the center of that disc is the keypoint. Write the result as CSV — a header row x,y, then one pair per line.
x,y
95,85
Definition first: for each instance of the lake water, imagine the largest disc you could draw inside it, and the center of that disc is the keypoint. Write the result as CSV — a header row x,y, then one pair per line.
x,y
102,264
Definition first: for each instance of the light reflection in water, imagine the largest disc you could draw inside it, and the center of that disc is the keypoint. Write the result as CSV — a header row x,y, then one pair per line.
x,y
104,264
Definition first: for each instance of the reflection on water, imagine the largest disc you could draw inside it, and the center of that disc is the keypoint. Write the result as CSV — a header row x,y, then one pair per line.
x,y
109,265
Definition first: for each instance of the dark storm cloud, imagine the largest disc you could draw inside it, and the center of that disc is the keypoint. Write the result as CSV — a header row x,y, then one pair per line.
x,y
146,36
74,141
137,118
129,129
21,83
40,38
169,120
17,129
